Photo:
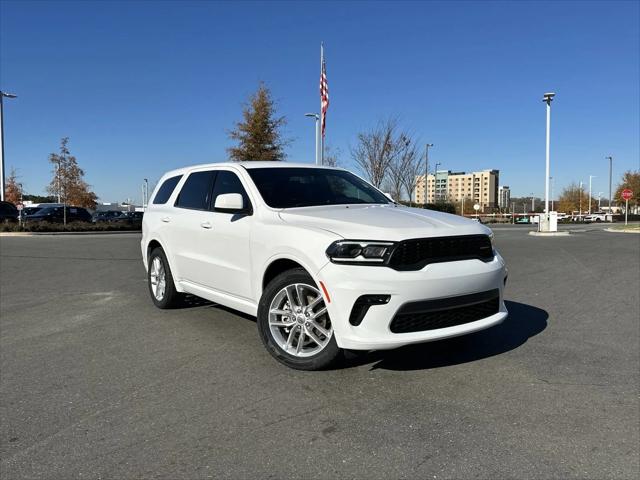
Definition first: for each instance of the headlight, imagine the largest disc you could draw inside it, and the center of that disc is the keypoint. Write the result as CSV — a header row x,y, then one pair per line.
x,y
360,252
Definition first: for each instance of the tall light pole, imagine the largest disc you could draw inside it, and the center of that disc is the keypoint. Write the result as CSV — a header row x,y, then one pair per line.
x,y
590,177
2,181
317,118
145,194
435,182
426,169
533,205
599,197
610,168
580,193
547,98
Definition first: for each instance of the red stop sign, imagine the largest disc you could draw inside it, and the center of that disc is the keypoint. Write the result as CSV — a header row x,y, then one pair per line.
x,y
627,194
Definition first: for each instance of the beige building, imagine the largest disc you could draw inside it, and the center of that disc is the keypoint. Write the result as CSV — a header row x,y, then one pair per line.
x,y
446,186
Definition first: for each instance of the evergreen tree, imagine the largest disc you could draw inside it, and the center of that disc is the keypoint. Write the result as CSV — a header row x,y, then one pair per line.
x,y
259,134
68,179
13,188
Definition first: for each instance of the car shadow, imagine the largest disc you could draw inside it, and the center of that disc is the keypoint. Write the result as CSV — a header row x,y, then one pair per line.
x,y
524,321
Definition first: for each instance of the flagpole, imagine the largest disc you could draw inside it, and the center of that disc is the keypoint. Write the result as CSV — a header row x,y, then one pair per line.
x,y
321,113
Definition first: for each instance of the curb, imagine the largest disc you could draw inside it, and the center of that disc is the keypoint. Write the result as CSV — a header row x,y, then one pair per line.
x,y
621,231
35,234
562,233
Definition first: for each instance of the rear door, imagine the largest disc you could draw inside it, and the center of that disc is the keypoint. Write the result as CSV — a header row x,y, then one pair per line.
x,y
190,214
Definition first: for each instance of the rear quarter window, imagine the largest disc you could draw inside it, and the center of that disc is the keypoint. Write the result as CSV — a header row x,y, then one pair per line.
x,y
166,189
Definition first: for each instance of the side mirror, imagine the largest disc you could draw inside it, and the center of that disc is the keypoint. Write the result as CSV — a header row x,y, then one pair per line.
x,y
229,202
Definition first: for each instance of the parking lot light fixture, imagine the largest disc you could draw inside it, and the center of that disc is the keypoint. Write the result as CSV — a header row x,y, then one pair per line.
x,y
590,178
317,119
547,98
3,95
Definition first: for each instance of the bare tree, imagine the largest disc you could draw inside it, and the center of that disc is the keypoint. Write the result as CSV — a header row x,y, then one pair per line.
x,y
405,163
331,156
375,151
413,167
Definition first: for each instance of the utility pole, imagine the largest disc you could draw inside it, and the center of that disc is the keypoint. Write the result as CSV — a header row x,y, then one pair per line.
x,y
2,177
590,177
610,168
533,206
436,195
547,98
426,169
317,118
580,193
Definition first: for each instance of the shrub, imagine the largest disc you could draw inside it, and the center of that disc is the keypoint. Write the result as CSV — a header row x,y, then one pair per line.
x,y
70,227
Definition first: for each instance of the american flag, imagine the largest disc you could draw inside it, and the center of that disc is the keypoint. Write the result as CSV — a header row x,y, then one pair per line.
x,y
324,92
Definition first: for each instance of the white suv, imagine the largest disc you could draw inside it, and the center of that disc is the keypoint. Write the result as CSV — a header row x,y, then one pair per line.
x,y
323,259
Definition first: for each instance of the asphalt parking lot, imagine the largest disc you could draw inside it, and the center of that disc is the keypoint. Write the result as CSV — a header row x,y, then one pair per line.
x,y
98,383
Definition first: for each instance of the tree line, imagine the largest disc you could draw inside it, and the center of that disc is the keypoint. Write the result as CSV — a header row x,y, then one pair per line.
x,y
387,154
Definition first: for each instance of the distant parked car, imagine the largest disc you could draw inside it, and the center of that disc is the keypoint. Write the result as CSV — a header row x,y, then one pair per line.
x,y
134,219
56,215
106,216
522,220
29,211
596,217
8,212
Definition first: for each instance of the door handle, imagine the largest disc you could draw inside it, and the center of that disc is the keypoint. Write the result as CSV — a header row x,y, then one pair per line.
x,y
165,219
206,225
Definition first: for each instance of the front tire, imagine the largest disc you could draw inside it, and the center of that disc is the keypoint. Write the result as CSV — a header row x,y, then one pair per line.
x,y
161,287
294,324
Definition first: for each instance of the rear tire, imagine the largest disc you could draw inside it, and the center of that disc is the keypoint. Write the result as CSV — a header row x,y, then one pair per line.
x,y
294,324
160,280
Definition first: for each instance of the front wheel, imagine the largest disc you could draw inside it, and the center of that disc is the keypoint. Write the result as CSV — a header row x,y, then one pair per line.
x,y
294,324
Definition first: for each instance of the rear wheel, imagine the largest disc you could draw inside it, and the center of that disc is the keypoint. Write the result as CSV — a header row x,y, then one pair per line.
x,y
161,287
294,324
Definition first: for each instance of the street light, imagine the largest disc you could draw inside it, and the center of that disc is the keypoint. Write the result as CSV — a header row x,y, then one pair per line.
x,y
435,181
145,194
317,118
610,168
426,170
2,96
599,197
580,193
590,177
547,98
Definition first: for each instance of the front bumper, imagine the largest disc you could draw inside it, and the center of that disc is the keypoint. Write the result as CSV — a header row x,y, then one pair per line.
x,y
345,283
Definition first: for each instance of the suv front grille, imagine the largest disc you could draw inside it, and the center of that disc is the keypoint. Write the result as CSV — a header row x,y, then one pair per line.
x,y
414,254
445,312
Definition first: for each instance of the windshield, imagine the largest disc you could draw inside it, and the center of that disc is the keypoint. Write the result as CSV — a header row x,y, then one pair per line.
x,y
306,187
47,210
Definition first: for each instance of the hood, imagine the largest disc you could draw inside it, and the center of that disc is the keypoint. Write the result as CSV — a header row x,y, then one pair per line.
x,y
382,222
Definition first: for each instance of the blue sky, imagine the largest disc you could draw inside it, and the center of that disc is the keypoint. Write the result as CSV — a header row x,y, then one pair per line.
x,y
143,87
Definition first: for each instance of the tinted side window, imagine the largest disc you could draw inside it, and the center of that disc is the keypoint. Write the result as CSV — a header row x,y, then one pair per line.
x,y
196,191
228,182
166,189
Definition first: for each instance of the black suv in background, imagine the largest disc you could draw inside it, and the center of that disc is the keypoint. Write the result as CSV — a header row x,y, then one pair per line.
x,y
133,219
56,215
8,213
107,216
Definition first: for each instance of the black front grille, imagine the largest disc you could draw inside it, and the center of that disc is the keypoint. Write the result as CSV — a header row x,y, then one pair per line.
x,y
414,254
445,312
